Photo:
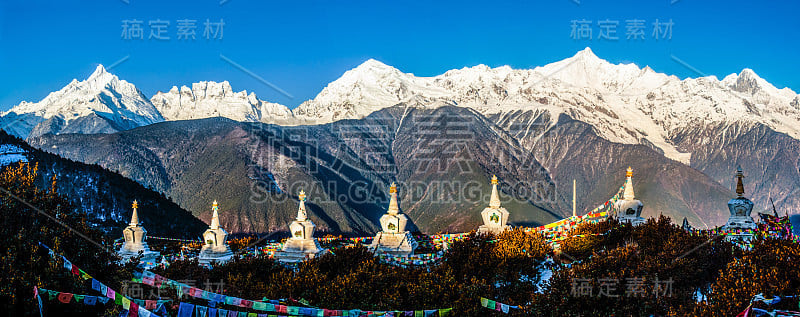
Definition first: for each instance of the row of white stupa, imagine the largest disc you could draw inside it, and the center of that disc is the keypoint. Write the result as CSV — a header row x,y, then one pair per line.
x,y
215,247
393,237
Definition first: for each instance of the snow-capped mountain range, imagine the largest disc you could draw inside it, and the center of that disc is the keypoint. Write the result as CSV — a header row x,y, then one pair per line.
x,y
208,99
581,118
100,104
624,103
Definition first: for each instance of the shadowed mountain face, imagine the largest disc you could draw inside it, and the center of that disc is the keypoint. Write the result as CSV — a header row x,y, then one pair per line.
x,y
771,160
106,197
196,162
572,150
442,159
254,170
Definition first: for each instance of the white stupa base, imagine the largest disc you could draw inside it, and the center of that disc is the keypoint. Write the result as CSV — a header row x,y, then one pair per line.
x,y
132,250
401,243
745,237
740,222
495,230
147,256
207,256
635,221
297,250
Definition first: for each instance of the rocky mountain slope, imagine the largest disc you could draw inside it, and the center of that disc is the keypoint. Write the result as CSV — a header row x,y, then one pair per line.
x,y
442,158
681,119
255,170
579,118
103,195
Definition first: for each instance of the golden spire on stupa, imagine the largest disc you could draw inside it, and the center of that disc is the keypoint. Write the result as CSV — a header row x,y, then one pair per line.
x,y
394,208
135,216
739,184
302,215
628,194
215,215
494,200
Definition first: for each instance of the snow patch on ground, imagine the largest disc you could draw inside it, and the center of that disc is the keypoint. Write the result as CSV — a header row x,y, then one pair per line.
x,y
10,153
545,274
700,297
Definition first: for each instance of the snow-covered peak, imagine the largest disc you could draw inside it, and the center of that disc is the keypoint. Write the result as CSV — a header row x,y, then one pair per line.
x,y
98,72
217,99
588,55
747,81
586,70
374,85
623,102
102,95
583,60
101,78
214,89
368,73
362,90
374,66
100,92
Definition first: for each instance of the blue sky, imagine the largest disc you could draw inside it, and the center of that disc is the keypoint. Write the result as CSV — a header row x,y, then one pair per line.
x,y
300,46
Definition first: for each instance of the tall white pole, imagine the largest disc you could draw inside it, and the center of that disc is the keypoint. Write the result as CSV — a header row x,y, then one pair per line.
x,y
574,190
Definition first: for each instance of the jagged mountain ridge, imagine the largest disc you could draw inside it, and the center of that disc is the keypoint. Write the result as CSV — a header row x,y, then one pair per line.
x,y
584,86
609,97
587,88
208,99
103,103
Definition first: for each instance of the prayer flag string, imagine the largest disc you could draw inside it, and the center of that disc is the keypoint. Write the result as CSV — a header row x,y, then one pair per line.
x,y
497,306
190,310
126,302
155,280
66,298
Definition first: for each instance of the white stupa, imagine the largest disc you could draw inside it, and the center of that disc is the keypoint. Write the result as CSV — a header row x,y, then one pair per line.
x,y
393,237
302,244
136,240
494,216
629,209
740,222
216,247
